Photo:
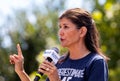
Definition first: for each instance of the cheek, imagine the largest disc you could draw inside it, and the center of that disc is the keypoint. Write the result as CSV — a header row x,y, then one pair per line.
x,y
73,36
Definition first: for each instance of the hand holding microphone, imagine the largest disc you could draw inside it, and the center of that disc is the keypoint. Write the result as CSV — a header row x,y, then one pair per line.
x,y
47,67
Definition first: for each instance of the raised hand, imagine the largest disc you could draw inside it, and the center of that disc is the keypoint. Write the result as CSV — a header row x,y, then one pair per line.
x,y
17,60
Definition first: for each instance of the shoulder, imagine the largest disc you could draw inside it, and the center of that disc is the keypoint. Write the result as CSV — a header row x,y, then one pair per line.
x,y
97,66
96,56
97,63
98,60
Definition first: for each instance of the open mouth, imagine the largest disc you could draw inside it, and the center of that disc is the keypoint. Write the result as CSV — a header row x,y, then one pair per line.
x,y
61,39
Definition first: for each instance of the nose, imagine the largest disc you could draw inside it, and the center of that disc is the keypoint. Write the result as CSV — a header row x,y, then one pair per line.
x,y
60,32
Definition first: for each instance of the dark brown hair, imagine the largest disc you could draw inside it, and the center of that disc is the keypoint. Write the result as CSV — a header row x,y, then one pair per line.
x,y
82,18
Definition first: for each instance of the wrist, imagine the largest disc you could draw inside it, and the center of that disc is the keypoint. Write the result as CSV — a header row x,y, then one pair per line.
x,y
20,72
23,75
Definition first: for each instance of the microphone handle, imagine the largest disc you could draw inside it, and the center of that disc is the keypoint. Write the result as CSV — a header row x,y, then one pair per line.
x,y
39,74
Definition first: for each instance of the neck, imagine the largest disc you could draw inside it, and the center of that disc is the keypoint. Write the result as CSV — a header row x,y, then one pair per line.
x,y
79,51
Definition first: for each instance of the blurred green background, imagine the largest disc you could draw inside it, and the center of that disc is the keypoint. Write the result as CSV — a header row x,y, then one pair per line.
x,y
35,27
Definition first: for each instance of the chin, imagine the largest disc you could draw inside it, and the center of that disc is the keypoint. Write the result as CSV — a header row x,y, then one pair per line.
x,y
63,45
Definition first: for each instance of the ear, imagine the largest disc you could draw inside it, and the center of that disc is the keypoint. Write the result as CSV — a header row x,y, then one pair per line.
x,y
83,31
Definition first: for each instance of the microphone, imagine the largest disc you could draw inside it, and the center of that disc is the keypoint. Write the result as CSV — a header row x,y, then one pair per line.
x,y
50,55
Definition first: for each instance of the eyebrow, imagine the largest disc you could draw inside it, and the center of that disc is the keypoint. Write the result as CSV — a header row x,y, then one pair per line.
x,y
63,24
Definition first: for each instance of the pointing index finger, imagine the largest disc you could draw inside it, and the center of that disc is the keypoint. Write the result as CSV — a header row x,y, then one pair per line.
x,y
19,50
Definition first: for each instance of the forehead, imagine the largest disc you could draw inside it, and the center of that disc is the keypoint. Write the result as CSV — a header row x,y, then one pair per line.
x,y
65,21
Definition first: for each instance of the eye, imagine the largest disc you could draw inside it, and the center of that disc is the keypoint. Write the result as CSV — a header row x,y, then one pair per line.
x,y
66,27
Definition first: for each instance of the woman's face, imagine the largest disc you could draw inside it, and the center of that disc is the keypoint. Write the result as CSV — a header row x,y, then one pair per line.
x,y
68,33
